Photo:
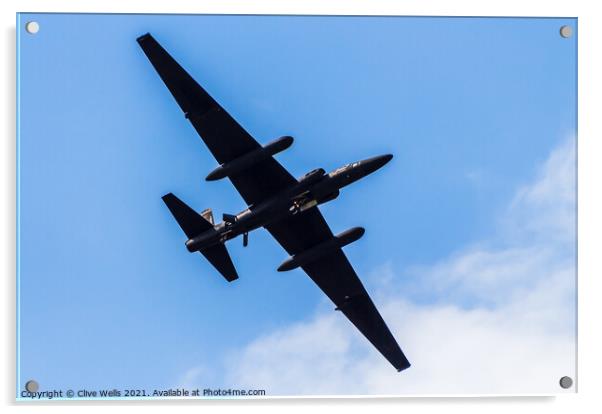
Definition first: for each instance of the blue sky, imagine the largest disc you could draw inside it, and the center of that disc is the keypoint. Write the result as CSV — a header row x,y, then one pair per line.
x,y
470,108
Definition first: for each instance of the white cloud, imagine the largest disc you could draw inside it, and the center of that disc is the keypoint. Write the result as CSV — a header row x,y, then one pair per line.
x,y
547,208
500,318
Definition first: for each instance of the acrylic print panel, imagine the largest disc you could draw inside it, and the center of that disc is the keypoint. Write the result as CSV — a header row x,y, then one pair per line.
x,y
469,251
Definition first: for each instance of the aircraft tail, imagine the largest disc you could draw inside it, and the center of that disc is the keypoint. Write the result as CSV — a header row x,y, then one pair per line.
x,y
219,257
193,224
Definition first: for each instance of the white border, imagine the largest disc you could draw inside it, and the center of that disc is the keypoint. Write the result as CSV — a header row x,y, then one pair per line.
x,y
590,205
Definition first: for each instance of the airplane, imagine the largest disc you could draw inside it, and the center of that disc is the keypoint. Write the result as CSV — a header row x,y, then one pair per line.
x,y
286,207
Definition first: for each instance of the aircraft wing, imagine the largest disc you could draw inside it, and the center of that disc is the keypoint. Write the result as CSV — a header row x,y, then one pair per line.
x,y
335,276
226,139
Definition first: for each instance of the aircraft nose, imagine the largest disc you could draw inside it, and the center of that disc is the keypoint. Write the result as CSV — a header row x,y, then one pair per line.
x,y
374,163
385,158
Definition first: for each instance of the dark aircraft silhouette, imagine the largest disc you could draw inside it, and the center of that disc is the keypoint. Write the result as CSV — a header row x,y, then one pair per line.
x,y
283,205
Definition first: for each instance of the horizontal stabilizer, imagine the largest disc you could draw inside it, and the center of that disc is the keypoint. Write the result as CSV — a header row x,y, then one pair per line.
x,y
194,224
189,220
218,256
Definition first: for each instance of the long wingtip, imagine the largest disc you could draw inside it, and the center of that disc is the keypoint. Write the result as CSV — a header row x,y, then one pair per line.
x,y
408,365
142,38
231,278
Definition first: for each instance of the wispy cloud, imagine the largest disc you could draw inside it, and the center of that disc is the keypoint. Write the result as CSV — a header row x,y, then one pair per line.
x,y
499,316
546,209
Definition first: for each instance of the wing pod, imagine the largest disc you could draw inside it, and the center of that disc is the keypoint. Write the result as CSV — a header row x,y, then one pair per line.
x,y
249,159
322,249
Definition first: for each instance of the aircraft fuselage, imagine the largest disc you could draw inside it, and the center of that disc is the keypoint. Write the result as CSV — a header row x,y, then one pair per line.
x,y
314,188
